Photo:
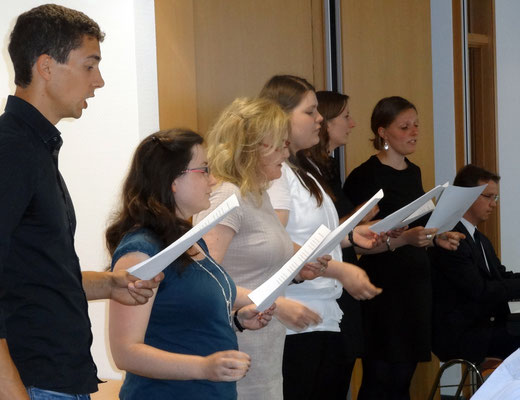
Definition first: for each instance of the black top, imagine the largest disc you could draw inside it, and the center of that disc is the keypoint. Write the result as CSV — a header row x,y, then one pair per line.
x,y
397,326
469,300
43,308
350,324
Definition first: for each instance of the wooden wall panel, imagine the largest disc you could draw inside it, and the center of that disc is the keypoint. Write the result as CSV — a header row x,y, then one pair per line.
x,y
458,84
386,52
239,44
176,64
223,49
482,101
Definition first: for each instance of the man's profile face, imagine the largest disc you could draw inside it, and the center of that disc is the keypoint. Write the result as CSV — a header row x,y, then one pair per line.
x,y
485,204
75,81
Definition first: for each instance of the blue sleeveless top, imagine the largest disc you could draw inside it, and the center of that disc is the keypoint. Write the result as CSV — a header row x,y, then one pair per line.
x,y
189,316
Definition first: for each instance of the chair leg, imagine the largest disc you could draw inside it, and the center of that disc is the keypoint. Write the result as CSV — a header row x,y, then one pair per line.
x,y
462,382
438,377
468,367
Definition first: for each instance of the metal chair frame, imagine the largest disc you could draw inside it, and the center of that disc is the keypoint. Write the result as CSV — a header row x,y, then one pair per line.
x,y
470,367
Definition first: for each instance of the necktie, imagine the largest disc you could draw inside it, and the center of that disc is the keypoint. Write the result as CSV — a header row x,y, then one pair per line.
x,y
476,237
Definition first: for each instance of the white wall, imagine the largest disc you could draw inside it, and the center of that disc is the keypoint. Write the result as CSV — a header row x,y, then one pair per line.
x,y
508,107
97,148
443,95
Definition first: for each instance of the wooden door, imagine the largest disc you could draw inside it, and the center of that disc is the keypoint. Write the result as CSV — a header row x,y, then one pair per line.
x,y
211,51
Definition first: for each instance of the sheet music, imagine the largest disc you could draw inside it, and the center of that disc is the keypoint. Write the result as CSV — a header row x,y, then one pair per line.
x,y
337,235
422,211
514,306
394,220
152,266
265,294
454,202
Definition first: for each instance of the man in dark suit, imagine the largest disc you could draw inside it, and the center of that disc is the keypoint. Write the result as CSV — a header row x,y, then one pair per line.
x,y
471,287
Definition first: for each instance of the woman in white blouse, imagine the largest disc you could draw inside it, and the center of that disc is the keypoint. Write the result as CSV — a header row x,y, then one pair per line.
x,y
311,357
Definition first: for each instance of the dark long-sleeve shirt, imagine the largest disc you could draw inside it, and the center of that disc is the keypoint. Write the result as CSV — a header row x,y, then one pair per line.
x,y
43,308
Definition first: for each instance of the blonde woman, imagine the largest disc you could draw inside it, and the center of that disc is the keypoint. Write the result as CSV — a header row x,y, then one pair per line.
x,y
246,149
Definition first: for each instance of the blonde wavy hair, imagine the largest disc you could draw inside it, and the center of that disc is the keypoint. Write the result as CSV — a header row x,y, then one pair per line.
x,y
236,142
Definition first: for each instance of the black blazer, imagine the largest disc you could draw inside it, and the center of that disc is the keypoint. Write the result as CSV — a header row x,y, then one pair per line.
x,y
468,299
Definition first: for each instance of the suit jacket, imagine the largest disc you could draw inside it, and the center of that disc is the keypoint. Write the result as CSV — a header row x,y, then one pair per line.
x,y
468,299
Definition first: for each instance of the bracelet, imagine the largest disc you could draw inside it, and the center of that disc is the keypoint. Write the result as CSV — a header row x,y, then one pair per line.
x,y
434,241
351,240
237,322
388,244
296,282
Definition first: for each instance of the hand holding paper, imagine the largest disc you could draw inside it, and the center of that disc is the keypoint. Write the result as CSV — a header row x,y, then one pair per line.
x,y
419,236
313,270
408,213
265,295
365,238
450,240
338,234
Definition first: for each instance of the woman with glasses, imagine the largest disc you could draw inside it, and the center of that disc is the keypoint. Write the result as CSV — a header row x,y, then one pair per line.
x,y
181,344
246,149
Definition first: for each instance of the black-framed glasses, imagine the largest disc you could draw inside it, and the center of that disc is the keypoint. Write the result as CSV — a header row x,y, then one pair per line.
x,y
204,170
491,197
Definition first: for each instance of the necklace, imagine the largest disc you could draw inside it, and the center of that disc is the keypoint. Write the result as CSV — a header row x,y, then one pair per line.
x,y
229,306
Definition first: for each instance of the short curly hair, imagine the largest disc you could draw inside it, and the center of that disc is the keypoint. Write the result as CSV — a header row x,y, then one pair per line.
x,y
47,29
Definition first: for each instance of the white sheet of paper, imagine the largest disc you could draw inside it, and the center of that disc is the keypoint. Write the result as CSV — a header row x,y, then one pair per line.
x,y
423,210
394,220
152,266
337,235
514,306
452,205
265,294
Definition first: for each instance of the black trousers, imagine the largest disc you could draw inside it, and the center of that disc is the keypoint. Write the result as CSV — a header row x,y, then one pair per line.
x,y
316,367
383,380
503,343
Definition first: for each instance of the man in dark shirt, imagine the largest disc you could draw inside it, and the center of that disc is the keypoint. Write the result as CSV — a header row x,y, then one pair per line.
x,y
45,335
471,287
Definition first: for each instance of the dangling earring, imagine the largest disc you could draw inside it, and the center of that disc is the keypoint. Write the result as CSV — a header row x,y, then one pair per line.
x,y
386,146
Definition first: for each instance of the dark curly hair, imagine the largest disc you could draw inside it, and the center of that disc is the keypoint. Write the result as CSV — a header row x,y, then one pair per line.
x,y
48,29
